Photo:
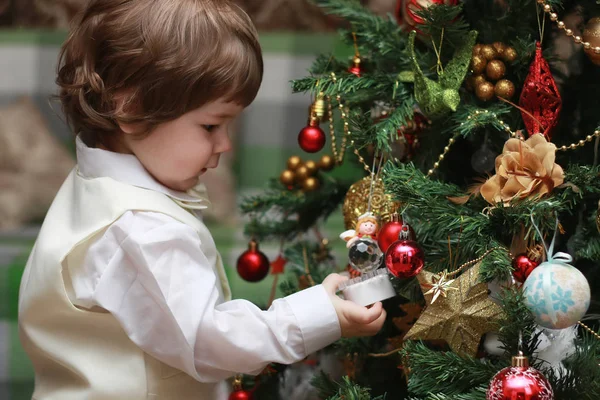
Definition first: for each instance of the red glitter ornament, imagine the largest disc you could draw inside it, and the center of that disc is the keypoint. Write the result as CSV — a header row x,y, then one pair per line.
x,y
253,265
404,258
523,265
519,382
312,138
540,99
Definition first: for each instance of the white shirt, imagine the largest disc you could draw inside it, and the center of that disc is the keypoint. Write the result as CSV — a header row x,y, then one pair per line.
x,y
174,311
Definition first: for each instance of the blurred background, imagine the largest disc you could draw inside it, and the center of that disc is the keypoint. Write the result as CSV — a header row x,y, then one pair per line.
x,y
36,147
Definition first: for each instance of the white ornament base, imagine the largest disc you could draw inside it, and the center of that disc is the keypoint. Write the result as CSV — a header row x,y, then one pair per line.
x,y
368,288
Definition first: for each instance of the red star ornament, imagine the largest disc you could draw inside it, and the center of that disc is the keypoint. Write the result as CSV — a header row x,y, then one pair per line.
x,y
278,265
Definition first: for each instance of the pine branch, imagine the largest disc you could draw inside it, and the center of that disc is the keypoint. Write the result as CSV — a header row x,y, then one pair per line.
x,y
348,390
518,321
444,21
465,121
444,372
326,387
280,213
376,36
318,269
581,379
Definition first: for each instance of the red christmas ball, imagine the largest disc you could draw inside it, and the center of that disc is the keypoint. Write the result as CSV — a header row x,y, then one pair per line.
x,y
253,265
404,259
523,266
389,233
406,10
312,138
240,395
356,70
519,382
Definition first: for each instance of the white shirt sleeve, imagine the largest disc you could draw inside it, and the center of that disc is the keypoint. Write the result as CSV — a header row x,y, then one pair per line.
x,y
148,270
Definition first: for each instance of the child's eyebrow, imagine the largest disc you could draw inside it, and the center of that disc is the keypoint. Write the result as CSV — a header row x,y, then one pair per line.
x,y
223,115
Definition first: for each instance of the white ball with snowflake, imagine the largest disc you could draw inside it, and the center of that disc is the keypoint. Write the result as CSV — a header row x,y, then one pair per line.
x,y
557,294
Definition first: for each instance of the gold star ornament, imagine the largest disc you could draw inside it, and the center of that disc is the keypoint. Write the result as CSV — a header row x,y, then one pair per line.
x,y
440,286
461,317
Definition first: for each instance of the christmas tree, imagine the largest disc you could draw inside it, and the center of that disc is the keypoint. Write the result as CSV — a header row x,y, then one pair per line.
x,y
477,217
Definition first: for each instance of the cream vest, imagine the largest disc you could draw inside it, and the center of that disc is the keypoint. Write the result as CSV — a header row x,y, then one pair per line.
x,y
84,355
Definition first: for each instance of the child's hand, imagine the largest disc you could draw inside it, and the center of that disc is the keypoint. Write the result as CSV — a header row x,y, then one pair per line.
x,y
354,319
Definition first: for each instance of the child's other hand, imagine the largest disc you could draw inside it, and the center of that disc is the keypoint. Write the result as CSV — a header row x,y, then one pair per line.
x,y
354,319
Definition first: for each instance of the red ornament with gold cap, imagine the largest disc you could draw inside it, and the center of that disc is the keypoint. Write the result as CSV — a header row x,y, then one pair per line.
x,y
540,98
404,258
238,392
253,265
312,138
519,382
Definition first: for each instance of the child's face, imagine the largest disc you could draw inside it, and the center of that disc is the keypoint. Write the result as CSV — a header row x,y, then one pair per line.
x,y
176,153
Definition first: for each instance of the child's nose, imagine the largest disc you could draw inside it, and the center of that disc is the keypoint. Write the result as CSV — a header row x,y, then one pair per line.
x,y
224,143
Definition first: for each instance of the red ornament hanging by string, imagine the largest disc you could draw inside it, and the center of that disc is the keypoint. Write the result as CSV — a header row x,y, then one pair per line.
x,y
406,10
519,382
241,395
253,264
540,99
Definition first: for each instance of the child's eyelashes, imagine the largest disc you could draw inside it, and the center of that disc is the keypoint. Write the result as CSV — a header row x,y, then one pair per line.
x,y
210,128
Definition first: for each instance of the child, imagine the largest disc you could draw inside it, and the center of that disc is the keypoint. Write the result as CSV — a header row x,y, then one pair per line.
x,y
124,295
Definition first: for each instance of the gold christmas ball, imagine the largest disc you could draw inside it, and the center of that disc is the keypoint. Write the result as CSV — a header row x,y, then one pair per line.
x,y
326,163
294,162
485,91
488,52
310,184
478,80
477,49
499,47
591,34
287,177
505,89
312,167
495,70
509,55
302,173
478,64
473,81
357,202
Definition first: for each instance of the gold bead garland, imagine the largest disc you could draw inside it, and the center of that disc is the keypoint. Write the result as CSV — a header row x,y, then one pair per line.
x,y
442,156
569,32
473,262
338,156
587,328
513,134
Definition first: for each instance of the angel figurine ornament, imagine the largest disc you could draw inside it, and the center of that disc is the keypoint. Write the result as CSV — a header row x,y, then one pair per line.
x,y
366,257
367,226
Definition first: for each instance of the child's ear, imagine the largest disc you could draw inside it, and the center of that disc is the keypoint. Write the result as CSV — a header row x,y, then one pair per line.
x,y
125,103
132,129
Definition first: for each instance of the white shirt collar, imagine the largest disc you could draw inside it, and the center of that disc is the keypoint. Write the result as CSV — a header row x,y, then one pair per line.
x,y
126,168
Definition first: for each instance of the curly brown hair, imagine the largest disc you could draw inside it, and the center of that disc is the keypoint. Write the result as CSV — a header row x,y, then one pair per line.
x,y
162,57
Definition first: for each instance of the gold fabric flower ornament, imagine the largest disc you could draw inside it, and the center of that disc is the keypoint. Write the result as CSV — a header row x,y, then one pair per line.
x,y
524,169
